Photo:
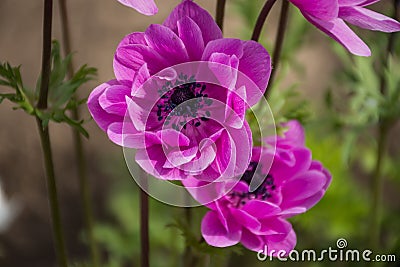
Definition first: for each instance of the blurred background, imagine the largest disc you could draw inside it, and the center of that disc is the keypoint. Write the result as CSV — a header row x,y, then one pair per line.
x,y
318,83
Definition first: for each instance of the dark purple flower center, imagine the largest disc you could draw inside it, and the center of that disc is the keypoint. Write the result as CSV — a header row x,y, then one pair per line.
x,y
173,104
263,192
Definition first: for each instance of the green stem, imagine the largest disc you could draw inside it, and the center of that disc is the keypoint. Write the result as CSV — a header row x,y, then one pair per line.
x,y
46,54
383,132
144,223
377,186
188,257
52,194
219,18
45,138
278,44
261,19
79,148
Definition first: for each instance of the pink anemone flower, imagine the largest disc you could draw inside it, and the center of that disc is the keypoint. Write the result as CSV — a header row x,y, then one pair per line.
x,y
293,184
330,16
145,106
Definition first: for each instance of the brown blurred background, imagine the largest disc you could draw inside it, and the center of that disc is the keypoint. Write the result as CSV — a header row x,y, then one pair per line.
x,y
96,28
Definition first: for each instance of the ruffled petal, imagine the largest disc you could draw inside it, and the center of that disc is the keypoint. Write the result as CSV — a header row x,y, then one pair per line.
x,y
339,31
255,63
191,35
201,17
215,234
166,43
130,58
251,241
113,99
322,9
301,187
146,7
261,209
368,19
102,117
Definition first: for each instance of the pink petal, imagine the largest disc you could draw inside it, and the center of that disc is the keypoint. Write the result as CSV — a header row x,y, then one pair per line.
x,y
282,171
215,234
130,58
226,46
295,134
261,209
166,43
245,219
322,9
302,186
113,99
255,64
368,19
286,244
274,226
251,241
191,35
339,31
357,2
102,118
146,7
201,17
123,73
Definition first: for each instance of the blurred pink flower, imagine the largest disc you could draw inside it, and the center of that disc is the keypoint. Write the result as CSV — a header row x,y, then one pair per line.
x,y
175,140
146,7
330,16
292,185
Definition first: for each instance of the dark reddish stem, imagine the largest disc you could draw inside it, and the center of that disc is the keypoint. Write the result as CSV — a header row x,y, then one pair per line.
x,y
261,19
45,137
144,221
278,44
219,18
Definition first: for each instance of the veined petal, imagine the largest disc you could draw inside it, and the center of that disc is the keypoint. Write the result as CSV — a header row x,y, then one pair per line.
x,y
368,19
102,117
357,2
146,7
166,43
201,17
251,241
227,46
215,234
191,35
113,99
256,65
339,31
322,9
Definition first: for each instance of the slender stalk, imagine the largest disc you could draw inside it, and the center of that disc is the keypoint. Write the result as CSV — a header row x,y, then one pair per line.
x,y
79,148
383,132
261,19
46,54
52,194
144,225
188,258
377,186
278,43
45,138
219,18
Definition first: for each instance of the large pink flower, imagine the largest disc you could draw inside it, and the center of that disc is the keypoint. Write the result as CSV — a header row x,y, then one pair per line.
x,y
146,7
161,102
330,17
292,185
